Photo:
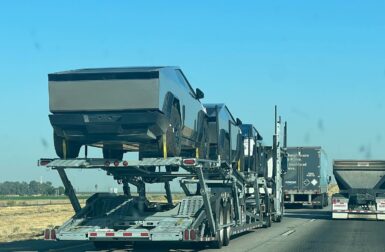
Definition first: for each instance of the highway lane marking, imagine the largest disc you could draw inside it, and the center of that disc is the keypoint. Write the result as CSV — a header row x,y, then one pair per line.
x,y
312,220
287,233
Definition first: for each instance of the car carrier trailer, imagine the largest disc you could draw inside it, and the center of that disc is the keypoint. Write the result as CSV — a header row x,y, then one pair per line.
x,y
221,199
306,181
362,189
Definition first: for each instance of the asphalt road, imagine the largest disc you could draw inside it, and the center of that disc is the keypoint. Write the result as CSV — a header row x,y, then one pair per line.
x,y
301,230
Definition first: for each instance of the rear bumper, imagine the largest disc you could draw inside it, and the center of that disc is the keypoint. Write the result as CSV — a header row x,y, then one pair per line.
x,y
110,127
358,214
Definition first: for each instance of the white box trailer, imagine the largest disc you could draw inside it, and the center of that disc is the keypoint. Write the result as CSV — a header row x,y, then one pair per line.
x,y
362,189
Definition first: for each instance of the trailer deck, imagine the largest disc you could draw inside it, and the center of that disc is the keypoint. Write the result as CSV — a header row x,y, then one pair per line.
x,y
111,217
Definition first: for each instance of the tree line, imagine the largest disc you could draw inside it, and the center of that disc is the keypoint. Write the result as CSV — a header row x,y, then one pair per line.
x,y
31,188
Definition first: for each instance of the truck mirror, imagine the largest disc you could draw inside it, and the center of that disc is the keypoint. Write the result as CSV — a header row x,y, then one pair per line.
x,y
199,94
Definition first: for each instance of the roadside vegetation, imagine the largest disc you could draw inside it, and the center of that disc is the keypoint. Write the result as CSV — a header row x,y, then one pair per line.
x,y
31,188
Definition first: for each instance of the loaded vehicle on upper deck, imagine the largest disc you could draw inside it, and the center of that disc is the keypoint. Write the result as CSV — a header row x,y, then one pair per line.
x,y
153,110
225,136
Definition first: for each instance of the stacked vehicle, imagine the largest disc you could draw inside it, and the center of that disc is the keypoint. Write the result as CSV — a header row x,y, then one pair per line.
x,y
362,189
231,181
306,181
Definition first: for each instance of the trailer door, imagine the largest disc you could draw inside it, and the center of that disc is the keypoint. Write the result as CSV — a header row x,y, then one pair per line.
x,y
310,168
292,177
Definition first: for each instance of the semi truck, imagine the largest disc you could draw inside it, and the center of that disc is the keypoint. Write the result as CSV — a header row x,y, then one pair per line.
x,y
306,181
222,198
362,189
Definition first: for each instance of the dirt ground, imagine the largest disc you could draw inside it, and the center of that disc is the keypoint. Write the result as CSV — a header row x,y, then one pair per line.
x,y
28,222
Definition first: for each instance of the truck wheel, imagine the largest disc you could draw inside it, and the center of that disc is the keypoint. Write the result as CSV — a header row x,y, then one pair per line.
x,y
220,220
326,200
268,219
109,153
64,148
173,134
278,218
227,231
322,202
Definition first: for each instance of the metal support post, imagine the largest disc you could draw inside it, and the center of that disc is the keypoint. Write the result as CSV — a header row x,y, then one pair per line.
x,y
69,190
256,196
126,189
184,188
206,200
238,215
168,192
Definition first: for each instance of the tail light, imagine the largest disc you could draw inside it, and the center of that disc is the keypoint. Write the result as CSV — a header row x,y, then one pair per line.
x,y
144,234
193,235
186,235
53,234
44,162
189,162
107,164
128,234
93,234
125,163
110,234
47,234
116,163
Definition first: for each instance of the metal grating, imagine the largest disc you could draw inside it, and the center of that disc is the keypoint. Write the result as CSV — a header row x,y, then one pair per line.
x,y
100,163
190,206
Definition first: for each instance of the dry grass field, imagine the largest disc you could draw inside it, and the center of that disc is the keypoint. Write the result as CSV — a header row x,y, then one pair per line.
x,y
28,222
27,219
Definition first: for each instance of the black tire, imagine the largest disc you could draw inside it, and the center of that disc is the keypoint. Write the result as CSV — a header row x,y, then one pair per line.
x,y
278,218
174,134
219,236
268,219
326,201
64,148
110,153
227,231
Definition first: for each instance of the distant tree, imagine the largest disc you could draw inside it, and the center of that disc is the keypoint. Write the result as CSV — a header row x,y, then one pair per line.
x,y
61,190
34,187
31,188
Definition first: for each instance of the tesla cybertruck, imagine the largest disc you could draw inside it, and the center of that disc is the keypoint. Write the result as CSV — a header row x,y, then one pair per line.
x,y
153,110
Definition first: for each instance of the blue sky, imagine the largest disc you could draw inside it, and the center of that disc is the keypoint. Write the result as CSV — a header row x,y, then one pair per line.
x,y
322,63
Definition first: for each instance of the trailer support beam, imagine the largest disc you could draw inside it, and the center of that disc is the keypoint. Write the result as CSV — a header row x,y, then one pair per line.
x,y
168,192
69,190
206,200
126,189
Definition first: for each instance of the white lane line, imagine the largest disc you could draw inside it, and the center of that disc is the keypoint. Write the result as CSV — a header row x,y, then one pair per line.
x,y
312,220
288,233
